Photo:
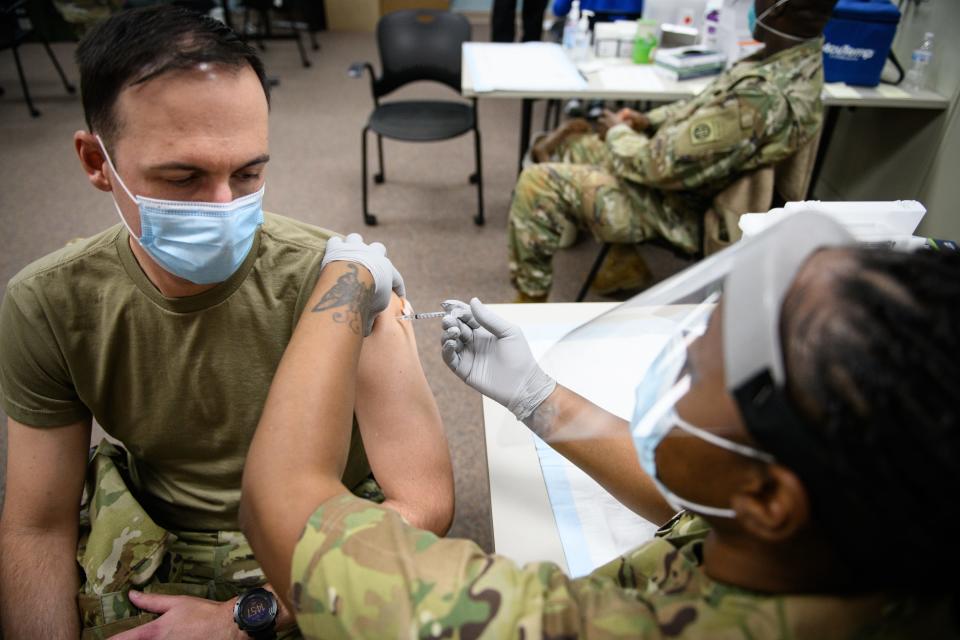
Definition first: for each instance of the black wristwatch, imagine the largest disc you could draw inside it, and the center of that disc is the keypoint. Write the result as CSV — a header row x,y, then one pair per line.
x,y
256,614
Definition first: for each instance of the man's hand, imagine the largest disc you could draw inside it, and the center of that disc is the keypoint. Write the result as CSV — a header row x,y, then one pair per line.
x,y
637,121
544,149
492,356
187,617
348,291
184,618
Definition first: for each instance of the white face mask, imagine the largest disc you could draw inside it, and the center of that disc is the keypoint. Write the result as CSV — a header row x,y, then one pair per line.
x,y
655,416
650,427
203,242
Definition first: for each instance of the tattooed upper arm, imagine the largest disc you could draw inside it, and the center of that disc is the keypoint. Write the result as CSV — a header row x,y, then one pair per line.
x,y
348,291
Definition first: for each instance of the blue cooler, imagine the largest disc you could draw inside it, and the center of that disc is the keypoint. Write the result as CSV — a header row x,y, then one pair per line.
x,y
857,41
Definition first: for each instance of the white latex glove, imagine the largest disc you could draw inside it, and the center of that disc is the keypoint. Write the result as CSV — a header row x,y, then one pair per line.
x,y
373,257
492,356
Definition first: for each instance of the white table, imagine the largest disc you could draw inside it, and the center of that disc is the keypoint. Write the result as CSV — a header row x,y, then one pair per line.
x,y
524,524
619,79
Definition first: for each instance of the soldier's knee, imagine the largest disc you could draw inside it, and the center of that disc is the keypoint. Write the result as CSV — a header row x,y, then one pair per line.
x,y
531,181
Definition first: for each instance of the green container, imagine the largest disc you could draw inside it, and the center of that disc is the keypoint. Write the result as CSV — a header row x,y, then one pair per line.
x,y
645,42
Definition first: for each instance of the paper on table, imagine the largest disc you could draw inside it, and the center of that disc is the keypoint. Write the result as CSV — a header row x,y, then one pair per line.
x,y
841,90
531,66
635,76
594,527
889,91
638,77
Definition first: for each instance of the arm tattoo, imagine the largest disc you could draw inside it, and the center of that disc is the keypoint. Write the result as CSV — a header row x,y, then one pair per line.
x,y
542,420
348,292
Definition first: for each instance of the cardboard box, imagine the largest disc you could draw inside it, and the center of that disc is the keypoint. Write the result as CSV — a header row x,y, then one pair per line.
x,y
362,15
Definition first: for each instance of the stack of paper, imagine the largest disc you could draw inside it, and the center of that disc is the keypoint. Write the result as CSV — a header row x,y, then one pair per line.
x,y
531,66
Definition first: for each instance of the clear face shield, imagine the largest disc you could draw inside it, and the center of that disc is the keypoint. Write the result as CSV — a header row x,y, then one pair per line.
x,y
643,360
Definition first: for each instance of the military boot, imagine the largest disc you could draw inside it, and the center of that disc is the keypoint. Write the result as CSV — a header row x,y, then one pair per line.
x,y
623,270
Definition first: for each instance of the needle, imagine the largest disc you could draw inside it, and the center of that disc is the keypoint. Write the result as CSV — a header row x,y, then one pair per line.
x,y
422,316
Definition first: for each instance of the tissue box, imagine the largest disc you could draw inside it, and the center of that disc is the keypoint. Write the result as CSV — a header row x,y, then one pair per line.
x,y
857,40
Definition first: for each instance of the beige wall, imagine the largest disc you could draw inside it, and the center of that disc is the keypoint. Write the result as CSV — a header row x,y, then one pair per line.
x,y
887,154
352,15
362,15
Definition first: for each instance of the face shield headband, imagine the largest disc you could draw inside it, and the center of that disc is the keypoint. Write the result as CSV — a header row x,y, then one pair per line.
x,y
754,292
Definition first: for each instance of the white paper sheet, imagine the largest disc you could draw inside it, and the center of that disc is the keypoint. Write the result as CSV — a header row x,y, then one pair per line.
x,y
841,90
594,527
889,91
531,66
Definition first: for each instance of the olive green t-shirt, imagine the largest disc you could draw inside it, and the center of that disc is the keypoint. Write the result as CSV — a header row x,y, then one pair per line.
x,y
181,382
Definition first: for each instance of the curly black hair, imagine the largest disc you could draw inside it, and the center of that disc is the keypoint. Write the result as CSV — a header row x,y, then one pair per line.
x,y
871,343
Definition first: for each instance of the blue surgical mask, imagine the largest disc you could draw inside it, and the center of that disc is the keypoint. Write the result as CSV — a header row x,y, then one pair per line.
x,y
655,416
203,242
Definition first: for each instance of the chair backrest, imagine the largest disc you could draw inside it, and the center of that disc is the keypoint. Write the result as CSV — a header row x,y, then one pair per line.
x,y
420,44
750,192
793,175
754,192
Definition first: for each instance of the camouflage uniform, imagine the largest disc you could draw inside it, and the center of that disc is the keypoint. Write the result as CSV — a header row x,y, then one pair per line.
x,y
642,186
122,547
360,572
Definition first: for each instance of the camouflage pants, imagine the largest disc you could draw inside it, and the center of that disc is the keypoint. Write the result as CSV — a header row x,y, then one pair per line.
x,y
121,547
582,188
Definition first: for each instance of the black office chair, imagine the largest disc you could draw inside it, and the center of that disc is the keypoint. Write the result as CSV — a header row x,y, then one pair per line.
x,y
13,17
419,45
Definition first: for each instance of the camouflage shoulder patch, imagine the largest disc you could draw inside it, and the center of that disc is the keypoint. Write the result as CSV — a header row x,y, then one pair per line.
x,y
710,132
704,132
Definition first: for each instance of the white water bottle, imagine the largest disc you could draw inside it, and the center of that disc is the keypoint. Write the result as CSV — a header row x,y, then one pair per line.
x,y
571,27
922,56
581,51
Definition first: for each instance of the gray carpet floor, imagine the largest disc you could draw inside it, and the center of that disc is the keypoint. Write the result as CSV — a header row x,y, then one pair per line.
x,y
425,207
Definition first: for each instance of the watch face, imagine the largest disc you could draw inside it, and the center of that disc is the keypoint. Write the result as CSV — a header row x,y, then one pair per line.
x,y
256,609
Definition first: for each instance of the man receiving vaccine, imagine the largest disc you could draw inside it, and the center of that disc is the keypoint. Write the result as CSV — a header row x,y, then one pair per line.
x,y
167,329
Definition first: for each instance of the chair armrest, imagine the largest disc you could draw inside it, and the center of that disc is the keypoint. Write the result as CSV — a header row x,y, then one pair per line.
x,y
356,69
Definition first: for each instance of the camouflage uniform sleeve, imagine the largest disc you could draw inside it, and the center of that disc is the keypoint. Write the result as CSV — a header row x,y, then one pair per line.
x,y
661,114
707,145
664,113
359,571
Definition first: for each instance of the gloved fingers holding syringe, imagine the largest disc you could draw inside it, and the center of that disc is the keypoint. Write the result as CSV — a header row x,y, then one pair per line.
x,y
491,355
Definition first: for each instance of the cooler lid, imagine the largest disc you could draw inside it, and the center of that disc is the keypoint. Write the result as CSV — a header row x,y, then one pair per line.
x,y
867,11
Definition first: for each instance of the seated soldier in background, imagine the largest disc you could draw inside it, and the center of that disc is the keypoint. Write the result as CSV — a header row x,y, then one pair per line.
x,y
654,175
167,329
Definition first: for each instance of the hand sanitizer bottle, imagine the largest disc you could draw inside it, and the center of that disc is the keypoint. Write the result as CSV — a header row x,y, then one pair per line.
x,y
570,27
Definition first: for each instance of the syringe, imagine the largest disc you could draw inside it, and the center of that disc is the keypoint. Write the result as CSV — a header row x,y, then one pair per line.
x,y
422,316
